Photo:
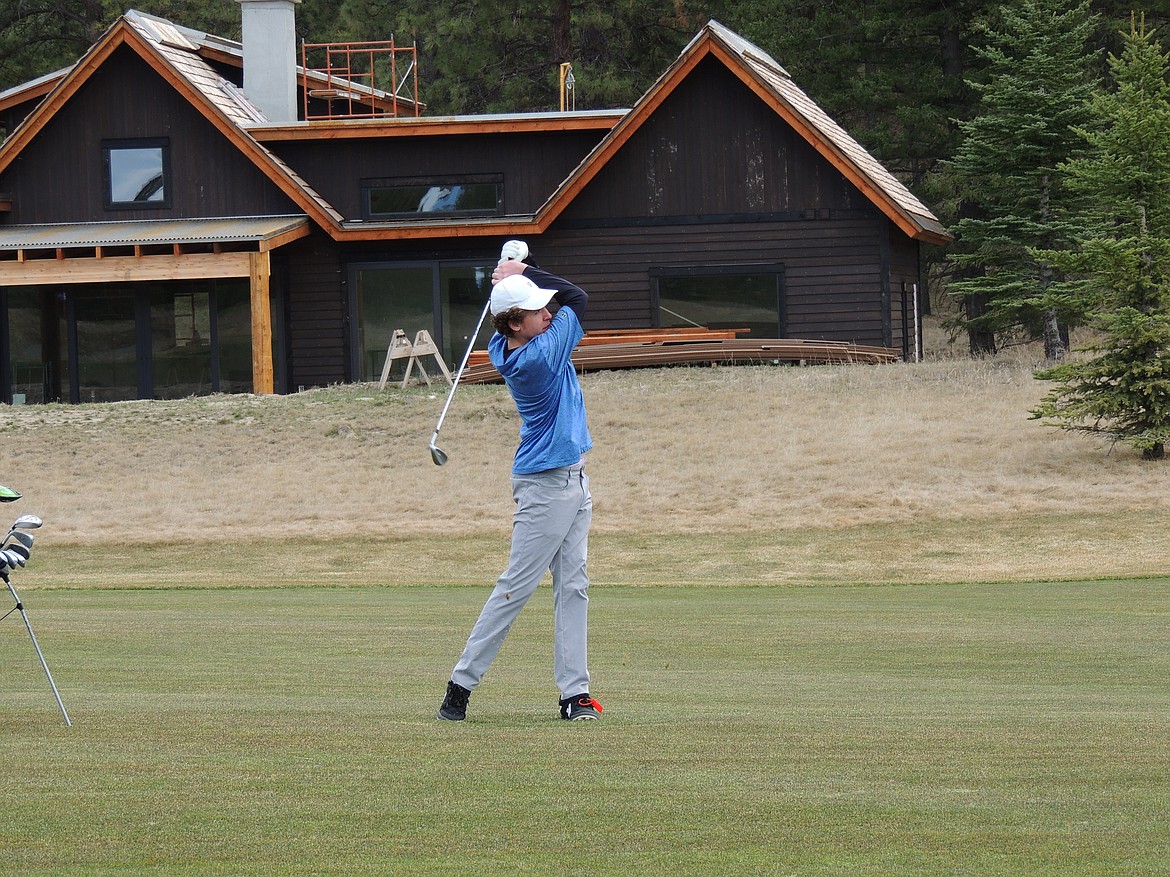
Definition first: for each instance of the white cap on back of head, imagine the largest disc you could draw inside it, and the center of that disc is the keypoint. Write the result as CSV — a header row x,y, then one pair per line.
x,y
517,291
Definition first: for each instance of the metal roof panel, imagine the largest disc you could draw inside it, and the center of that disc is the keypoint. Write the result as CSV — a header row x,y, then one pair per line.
x,y
146,232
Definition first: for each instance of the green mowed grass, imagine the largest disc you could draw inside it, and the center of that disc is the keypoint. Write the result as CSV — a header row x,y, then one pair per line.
x,y
892,729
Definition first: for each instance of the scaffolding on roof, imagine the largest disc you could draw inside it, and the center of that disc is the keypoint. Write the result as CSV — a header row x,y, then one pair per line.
x,y
359,80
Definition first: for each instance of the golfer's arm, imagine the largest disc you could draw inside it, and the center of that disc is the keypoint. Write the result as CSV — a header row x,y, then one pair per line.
x,y
568,295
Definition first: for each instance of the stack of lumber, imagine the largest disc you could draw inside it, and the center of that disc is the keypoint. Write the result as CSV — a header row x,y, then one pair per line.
x,y
644,348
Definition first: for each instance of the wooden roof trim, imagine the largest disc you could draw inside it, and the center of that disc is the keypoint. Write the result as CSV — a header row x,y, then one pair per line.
x,y
286,237
220,56
23,95
432,126
709,44
507,229
121,33
62,91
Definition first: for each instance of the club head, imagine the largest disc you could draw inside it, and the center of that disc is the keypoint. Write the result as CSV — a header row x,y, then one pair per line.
x,y
17,549
437,454
11,558
27,522
7,494
25,539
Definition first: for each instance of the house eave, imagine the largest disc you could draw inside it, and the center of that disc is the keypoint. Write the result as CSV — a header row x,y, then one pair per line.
x,y
414,126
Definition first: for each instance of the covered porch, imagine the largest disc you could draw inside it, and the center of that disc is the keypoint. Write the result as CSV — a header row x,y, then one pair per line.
x,y
139,309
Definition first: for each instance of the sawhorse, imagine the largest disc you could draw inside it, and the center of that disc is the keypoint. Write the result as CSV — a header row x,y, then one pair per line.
x,y
401,348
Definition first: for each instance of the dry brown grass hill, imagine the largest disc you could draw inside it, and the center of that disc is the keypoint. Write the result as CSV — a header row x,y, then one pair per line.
x,y
767,473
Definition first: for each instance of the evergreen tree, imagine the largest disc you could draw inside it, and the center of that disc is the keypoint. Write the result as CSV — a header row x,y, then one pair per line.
x,y
1124,184
1008,170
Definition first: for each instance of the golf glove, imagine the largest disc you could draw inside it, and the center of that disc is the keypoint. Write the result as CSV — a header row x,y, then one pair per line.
x,y
514,251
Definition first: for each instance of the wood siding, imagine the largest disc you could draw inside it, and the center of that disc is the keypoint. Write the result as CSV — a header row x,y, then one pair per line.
x,y
832,277
315,314
58,177
714,148
905,274
716,178
532,164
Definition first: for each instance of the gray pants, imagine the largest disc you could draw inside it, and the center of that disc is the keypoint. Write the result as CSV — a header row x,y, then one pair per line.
x,y
550,531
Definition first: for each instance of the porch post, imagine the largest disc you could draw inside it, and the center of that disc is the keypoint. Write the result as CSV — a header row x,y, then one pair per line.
x,y
259,273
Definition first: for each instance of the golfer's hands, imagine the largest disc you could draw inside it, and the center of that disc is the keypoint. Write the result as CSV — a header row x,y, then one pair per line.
x,y
514,251
507,269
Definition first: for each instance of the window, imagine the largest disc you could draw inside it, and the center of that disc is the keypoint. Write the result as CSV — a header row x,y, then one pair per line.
x,y
463,196
137,173
733,297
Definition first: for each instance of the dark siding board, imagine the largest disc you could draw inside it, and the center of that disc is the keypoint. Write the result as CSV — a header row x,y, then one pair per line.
x,y
532,164
316,313
713,147
58,176
904,273
828,295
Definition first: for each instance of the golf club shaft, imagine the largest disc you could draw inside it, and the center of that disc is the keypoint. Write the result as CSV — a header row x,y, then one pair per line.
x,y
459,374
37,646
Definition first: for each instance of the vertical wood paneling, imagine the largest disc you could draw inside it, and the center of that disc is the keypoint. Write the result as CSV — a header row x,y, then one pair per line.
x,y
315,313
713,148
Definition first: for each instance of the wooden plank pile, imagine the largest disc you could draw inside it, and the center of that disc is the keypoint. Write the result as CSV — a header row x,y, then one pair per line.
x,y
645,348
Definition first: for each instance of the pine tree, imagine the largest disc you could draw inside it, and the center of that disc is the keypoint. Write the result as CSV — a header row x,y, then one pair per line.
x,y
1124,185
1008,171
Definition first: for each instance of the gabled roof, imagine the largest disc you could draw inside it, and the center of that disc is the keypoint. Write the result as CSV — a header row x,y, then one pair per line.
x,y
179,55
771,82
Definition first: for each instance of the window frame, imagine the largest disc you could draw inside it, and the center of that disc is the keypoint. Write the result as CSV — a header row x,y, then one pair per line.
x,y
163,144
369,185
776,269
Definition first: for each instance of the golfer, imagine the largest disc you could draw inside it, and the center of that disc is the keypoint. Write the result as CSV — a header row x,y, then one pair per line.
x,y
550,526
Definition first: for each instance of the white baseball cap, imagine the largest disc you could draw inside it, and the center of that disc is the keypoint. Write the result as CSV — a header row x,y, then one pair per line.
x,y
517,291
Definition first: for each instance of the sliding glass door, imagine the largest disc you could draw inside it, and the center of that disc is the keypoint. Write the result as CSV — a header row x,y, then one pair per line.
x,y
108,342
104,358
444,298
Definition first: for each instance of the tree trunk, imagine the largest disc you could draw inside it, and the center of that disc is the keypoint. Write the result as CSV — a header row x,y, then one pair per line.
x,y
980,341
562,39
1054,346
93,20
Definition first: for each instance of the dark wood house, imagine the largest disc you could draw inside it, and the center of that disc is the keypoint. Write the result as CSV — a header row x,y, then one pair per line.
x,y
168,226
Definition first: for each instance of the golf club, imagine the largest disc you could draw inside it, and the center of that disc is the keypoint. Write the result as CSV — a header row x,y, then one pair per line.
x,y
436,453
7,494
27,522
511,251
12,556
18,549
25,539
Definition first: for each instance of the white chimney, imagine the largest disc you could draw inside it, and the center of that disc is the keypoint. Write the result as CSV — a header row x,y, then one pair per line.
x,y
270,57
